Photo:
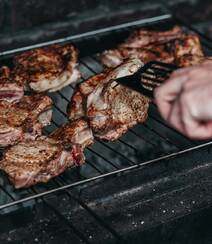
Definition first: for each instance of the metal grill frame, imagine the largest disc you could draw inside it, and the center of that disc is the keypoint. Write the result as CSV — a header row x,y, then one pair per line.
x,y
61,185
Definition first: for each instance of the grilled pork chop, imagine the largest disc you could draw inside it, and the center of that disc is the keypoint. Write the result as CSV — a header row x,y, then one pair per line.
x,y
111,109
28,163
10,90
170,47
47,69
77,132
142,38
24,119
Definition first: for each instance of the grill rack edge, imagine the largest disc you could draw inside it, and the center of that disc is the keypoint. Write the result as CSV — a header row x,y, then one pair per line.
x,y
63,186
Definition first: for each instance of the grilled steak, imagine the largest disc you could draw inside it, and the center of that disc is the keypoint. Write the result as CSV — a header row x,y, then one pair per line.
x,y
10,90
169,47
111,109
47,69
77,132
24,119
142,38
38,161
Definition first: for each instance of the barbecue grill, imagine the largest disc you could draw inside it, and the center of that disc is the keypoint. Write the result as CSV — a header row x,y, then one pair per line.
x,y
132,190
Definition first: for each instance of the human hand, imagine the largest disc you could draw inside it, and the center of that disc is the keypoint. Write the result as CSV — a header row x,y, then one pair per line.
x,y
185,101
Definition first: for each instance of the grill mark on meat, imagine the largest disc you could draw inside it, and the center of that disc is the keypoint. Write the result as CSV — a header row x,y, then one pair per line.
x,y
40,160
142,38
47,69
10,91
22,119
168,47
78,132
111,110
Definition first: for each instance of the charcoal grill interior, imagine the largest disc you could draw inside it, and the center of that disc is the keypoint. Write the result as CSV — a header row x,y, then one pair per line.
x,y
85,195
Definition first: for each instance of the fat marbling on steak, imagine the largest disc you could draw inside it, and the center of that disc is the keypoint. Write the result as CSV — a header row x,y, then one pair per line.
x,y
24,119
10,90
47,69
29,163
111,109
169,46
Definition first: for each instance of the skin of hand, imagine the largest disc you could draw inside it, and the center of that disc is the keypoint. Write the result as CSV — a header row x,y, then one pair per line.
x,y
185,101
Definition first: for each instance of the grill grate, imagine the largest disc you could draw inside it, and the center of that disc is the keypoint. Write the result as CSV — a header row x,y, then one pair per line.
x,y
143,145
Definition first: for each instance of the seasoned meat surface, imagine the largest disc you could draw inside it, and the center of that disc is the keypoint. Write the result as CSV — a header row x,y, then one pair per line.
x,y
111,109
77,132
10,90
142,38
47,69
24,119
38,161
32,162
170,47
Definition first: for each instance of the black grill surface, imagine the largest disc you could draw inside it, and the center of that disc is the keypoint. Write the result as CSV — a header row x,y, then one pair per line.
x,y
127,189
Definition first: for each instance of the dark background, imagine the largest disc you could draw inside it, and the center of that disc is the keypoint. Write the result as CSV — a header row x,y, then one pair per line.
x,y
23,22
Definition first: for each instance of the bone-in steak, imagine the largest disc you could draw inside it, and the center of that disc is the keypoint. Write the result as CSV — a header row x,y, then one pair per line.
x,y
111,109
24,119
10,90
77,132
28,163
170,47
47,69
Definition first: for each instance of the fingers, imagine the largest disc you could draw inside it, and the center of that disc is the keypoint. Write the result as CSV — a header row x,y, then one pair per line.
x,y
179,80
182,120
167,93
175,115
208,60
185,101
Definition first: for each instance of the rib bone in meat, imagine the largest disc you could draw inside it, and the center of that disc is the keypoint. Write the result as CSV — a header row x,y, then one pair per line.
x,y
111,109
37,161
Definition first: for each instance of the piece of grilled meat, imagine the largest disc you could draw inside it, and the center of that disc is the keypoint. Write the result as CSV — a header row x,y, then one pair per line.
x,y
28,163
76,132
24,119
10,90
169,47
142,38
47,69
111,109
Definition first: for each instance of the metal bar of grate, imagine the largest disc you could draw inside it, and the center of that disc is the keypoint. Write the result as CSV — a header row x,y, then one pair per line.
x,y
151,129
142,138
64,219
115,151
149,142
116,168
90,34
163,137
94,152
61,182
160,121
112,173
130,130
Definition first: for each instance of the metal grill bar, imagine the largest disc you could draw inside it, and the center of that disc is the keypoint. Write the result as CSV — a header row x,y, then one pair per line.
x,y
64,219
92,65
90,211
159,120
120,154
90,34
131,130
113,173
